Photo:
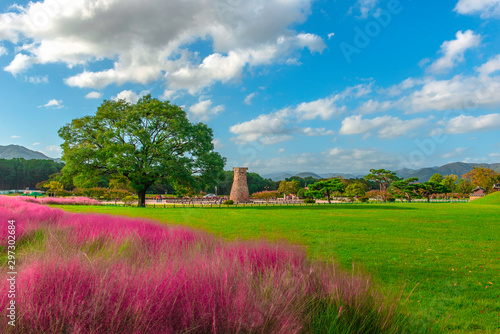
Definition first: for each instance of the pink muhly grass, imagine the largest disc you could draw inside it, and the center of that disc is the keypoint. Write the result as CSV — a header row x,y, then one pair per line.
x,y
109,274
69,201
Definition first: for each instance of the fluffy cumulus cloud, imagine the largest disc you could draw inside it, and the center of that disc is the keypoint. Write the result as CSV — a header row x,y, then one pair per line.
x,y
151,40
485,8
128,95
491,66
384,126
453,51
282,125
466,124
460,92
266,129
203,110
3,51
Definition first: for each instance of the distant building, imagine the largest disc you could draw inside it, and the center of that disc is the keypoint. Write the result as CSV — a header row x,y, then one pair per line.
x,y
496,187
477,193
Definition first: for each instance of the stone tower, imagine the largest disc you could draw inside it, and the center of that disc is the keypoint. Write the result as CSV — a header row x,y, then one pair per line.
x,y
239,191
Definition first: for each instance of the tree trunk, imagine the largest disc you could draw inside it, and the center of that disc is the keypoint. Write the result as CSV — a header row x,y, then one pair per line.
x,y
142,198
328,194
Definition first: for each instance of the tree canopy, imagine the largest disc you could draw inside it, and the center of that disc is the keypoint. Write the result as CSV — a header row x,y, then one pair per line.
x,y
145,142
289,187
383,177
20,173
325,188
482,177
407,187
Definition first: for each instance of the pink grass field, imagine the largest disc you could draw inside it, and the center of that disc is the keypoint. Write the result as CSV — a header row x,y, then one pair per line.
x,y
87,273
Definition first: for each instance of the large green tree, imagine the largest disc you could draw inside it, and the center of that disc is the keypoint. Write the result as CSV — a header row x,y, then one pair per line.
x,y
438,178
324,188
289,187
383,177
145,142
407,187
450,182
426,189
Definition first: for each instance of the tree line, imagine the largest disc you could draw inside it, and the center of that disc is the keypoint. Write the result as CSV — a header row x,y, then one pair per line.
x,y
20,173
385,185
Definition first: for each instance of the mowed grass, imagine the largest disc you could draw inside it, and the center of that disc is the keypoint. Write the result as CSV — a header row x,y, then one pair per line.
x,y
444,258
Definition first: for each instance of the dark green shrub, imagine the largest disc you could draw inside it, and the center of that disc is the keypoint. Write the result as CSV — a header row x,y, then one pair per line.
x,y
363,199
63,193
229,202
309,200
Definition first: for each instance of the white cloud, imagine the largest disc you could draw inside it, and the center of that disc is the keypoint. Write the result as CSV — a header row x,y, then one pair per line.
x,y
317,132
335,160
269,129
203,111
458,152
453,51
93,95
151,40
494,155
491,66
129,96
310,41
248,99
3,51
169,94
321,108
330,35
217,143
37,79
279,126
365,8
36,144
372,106
15,137
466,124
460,92
485,8
403,86
385,126
53,148
54,104
20,63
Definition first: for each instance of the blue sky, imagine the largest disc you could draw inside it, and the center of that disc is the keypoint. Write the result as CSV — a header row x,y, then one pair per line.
x,y
295,85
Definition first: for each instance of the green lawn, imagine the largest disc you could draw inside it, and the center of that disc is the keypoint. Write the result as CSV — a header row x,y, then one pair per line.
x,y
448,253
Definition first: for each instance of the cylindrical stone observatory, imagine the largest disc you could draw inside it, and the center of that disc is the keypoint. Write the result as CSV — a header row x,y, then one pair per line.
x,y
239,191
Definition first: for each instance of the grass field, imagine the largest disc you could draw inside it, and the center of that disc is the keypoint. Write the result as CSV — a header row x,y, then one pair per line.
x,y
445,257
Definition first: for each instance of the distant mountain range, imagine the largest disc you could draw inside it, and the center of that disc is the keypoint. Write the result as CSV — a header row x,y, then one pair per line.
x,y
457,168
285,175
16,151
423,174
